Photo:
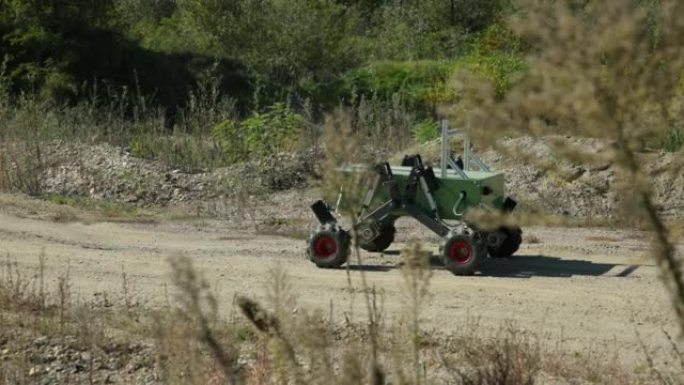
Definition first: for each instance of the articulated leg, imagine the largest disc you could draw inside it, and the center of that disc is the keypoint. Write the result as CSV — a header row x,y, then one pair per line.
x,y
322,212
369,195
427,220
429,197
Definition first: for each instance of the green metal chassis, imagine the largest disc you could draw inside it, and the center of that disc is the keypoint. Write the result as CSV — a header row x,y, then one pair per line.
x,y
447,196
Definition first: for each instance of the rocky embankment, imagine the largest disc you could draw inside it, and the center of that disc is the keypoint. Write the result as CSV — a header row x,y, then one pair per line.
x,y
572,189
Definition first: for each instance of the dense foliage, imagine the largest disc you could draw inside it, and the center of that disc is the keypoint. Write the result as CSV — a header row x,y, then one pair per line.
x,y
224,72
263,51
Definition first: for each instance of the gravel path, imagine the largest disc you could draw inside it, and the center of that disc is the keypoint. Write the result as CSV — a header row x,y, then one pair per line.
x,y
584,289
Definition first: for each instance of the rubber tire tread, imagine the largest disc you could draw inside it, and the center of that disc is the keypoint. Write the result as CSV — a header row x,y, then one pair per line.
x,y
343,240
509,246
479,254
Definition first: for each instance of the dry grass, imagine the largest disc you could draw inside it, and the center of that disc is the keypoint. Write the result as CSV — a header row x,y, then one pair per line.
x,y
62,209
531,239
191,341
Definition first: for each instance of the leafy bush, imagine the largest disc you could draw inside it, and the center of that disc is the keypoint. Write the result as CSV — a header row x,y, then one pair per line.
x,y
425,131
144,146
275,130
497,54
674,139
416,82
231,139
498,68
427,29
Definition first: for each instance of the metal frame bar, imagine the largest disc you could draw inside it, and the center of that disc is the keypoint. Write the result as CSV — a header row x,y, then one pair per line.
x,y
369,195
445,151
469,157
381,212
429,197
466,153
457,169
436,226
480,164
446,157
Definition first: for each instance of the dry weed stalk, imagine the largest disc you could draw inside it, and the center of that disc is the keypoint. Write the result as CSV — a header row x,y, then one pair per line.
x,y
601,69
269,325
416,270
509,357
195,298
673,372
64,293
343,147
279,292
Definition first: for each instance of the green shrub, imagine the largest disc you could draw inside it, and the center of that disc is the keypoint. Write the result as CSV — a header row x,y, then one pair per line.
x,y
383,124
272,131
425,131
497,55
673,140
182,151
144,146
58,86
416,82
231,140
499,68
497,38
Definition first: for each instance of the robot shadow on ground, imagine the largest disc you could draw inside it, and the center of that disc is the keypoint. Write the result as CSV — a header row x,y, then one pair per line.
x,y
525,266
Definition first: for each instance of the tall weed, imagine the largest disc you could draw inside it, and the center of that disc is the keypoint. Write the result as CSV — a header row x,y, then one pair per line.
x,y
674,139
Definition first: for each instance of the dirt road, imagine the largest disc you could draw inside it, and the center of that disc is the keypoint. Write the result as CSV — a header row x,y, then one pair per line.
x,y
587,290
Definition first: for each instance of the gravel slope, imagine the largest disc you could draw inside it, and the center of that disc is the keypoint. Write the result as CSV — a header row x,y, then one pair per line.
x,y
572,189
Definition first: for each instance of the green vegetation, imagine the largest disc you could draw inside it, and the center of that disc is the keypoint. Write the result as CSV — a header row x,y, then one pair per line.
x,y
263,51
425,131
419,83
201,84
674,139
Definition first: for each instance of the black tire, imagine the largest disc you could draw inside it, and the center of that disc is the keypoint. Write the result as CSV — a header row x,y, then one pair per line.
x,y
329,248
462,253
510,244
382,241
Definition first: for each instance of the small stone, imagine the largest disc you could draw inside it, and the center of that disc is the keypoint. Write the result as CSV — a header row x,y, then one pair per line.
x,y
133,367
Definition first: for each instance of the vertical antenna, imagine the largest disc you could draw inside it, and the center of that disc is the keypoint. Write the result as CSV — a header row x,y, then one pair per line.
x,y
466,147
445,146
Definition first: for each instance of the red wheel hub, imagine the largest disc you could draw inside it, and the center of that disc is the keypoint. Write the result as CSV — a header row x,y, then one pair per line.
x,y
325,246
460,252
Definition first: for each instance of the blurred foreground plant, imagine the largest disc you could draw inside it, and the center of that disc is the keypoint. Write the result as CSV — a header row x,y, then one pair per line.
x,y
605,69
